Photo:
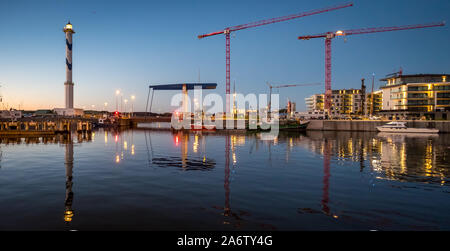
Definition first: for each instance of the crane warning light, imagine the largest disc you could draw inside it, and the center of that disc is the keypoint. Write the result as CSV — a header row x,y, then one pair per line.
x,y
339,33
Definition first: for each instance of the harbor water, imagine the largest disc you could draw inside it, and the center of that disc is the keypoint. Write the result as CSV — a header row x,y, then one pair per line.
x,y
160,180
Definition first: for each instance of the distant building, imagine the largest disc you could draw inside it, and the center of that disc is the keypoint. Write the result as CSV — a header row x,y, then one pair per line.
x,y
96,114
314,102
316,114
10,114
72,112
290,109
416,93
27,113
44,113
343,102
377,103
403,97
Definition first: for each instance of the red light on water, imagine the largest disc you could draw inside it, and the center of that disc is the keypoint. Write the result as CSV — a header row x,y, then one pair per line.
x,y
176,140
116,138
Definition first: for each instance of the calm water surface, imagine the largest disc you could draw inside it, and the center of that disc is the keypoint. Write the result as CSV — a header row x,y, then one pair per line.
x,y
158,180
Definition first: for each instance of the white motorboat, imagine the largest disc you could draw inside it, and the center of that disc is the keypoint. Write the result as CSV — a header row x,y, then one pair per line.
x,y
400,127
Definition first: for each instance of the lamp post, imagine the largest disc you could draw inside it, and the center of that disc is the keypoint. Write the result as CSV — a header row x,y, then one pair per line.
x,y
117,101
126,101
105,112
1,98
132,104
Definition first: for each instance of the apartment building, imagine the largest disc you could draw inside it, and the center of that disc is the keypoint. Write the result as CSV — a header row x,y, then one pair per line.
x,y
416,93
343,102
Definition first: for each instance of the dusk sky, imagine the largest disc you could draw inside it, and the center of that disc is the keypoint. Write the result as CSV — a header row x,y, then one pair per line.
x,y
128,45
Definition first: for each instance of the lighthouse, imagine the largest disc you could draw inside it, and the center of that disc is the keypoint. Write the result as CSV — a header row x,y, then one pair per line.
x,y
69,110
68,85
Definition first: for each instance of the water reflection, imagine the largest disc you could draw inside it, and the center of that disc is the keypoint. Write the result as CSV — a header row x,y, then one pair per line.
x,y
333,158
34,140
383,157
231,216
326,176
67,141
184,161
68,213
389,156
386,155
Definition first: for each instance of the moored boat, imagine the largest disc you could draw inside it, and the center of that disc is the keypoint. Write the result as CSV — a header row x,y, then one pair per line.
x,y
290,125
400,127
294,126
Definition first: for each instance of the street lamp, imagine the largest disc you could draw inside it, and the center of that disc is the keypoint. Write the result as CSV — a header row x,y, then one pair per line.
x,y
126,101
117,99
132,105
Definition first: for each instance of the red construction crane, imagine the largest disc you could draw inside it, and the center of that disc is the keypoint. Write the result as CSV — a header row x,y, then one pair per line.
x,y
228,30
332,34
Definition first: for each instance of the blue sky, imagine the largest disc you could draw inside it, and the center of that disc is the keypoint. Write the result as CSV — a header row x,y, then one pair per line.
x,y
128,45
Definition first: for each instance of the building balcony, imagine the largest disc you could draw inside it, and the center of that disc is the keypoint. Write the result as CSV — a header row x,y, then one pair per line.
x,y
417,96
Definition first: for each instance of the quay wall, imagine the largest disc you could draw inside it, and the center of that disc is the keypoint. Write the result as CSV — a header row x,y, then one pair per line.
x,y
371,125
349,125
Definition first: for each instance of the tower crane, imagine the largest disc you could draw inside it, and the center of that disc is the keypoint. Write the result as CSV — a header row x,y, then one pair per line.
x,y
283,86
227,31
333,34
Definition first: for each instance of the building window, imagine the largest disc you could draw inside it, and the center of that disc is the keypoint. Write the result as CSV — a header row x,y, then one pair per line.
x,y
417,95
443,102
441,87
417,88
443,95
417,102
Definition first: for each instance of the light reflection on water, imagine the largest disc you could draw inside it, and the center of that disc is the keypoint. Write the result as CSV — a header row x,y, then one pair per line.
x,y
140,179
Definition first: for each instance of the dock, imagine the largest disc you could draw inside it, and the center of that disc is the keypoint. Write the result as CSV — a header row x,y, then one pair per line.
x,y
43,126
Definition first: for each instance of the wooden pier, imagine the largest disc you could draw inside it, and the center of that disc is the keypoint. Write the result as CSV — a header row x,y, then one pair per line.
x,y
43,126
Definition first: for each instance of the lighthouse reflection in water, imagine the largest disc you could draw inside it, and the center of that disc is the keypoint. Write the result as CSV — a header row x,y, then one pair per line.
x,y
160,180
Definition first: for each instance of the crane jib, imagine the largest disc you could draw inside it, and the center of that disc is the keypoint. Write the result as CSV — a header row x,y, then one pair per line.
x,y
277,19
